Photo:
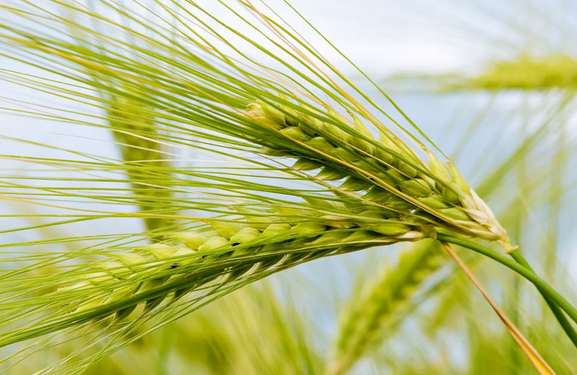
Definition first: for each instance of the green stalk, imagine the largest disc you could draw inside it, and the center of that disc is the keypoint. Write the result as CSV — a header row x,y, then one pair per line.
x,y
527,273
553,305
559,315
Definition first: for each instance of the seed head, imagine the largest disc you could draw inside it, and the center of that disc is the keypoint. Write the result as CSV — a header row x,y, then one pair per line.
x,y
385,173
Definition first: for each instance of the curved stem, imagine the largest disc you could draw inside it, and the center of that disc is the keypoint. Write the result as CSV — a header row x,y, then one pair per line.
x,y
523,271
538,362
559,314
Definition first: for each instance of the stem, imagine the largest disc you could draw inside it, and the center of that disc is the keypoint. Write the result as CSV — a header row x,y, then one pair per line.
x,y
535,358
559,315
523,271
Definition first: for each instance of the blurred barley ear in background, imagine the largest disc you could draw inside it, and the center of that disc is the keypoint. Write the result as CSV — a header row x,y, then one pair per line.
x,y
136,134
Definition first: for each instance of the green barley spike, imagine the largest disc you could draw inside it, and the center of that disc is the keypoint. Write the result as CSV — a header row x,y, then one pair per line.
x,y
252,247
363,324
409,186
135,132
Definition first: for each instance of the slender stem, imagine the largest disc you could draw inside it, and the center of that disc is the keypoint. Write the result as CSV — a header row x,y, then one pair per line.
x,y
524,344
561,318
523,271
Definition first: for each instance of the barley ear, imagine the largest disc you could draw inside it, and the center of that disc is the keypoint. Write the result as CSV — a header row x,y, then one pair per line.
x,y
367,318
136,134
